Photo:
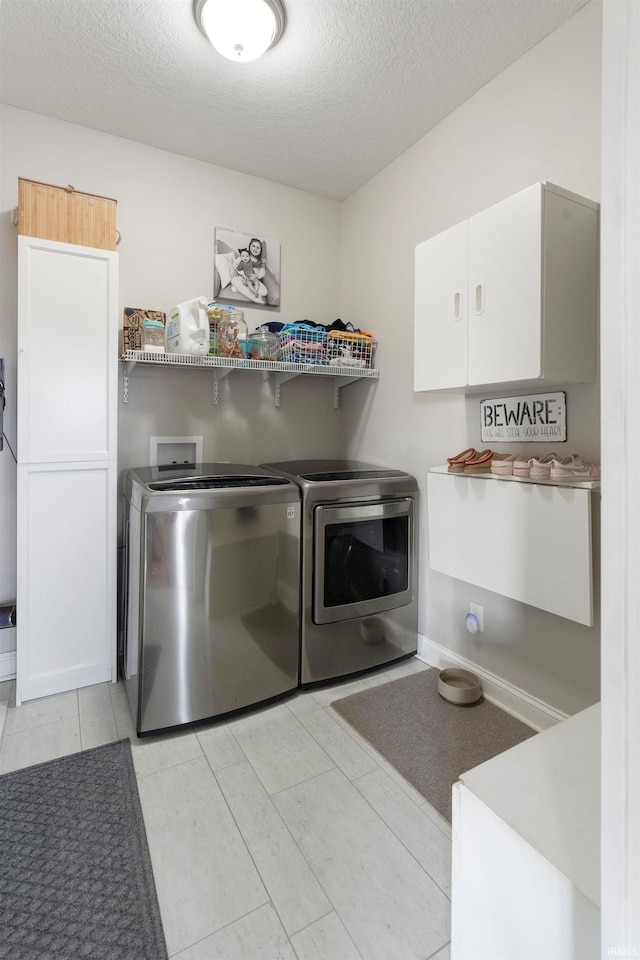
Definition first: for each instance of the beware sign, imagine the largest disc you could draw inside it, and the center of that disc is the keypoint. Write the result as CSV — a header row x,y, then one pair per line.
x,y
536,419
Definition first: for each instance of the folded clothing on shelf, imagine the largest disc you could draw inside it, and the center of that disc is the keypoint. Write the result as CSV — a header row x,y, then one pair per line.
x,y
303,343
339,344
351,349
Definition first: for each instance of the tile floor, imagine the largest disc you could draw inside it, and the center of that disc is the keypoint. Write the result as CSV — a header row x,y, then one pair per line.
x,y
277,835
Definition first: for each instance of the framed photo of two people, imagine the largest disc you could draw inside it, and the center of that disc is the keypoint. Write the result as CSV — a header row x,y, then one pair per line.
x,y
246,268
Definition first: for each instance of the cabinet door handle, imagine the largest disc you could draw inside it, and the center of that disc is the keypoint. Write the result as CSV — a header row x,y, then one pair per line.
x,y
479,305
457,306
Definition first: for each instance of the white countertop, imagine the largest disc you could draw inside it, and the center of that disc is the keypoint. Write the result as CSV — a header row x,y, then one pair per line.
x,y
579,484
547,789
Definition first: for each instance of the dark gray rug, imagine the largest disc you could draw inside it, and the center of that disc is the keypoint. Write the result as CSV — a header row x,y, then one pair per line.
x,y
427,739
75,872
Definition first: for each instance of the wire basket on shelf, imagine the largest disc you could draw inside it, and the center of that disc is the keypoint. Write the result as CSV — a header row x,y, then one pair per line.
x,y
299,344
351,349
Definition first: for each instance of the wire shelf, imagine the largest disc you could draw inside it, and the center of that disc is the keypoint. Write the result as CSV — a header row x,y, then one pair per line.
x,y
192,360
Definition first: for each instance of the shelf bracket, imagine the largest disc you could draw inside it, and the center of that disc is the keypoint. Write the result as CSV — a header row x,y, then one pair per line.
x,y
280,379
338,384
219,374
125,380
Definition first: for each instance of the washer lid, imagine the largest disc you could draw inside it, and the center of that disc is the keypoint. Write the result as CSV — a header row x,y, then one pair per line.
x,y
215,483
201,476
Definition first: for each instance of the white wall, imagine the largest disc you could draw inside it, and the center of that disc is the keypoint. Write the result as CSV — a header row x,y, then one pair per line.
x,y
538,120
168,207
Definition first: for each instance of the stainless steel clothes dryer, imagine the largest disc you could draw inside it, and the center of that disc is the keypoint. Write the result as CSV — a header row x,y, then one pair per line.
x,y
211,582
359,565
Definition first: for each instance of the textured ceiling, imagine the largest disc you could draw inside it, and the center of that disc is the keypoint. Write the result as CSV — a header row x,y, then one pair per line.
x,y
350,86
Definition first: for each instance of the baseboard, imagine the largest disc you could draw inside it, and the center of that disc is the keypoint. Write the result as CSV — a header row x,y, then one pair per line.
x,y
535,713
7,666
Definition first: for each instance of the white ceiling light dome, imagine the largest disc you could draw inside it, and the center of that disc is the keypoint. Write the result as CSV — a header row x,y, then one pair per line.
x,y
240,30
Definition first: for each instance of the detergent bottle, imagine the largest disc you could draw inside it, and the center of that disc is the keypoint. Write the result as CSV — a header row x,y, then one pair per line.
x,y
188,328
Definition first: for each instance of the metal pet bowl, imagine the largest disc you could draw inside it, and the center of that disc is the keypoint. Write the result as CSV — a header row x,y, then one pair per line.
x,y
459,686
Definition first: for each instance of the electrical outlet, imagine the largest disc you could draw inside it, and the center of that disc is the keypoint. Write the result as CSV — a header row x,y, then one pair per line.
x,y
478,611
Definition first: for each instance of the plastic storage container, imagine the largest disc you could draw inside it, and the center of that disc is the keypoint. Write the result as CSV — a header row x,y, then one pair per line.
x,y
153,336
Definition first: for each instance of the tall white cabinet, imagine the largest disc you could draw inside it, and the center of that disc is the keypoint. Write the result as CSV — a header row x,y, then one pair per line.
x,y
67,466
510,296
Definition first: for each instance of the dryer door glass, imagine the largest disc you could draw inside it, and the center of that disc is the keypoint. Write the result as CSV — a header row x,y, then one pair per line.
x,y
362,559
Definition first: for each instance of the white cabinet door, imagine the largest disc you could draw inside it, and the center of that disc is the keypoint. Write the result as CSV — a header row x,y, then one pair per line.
x,y
67,467
522,520
440,345
66,589
505,290
67,352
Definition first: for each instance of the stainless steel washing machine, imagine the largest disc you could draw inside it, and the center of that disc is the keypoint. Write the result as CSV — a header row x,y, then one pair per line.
x,y
211,591
359,565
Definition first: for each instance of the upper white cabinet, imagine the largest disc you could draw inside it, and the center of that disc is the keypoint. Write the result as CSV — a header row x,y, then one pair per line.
x,y
510,295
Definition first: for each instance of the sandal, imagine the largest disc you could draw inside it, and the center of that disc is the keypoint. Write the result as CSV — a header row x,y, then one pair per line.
x,y
502,464
456,464
479,463
521,466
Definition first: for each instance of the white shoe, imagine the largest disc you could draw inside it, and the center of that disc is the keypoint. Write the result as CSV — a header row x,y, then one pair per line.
x,y
541,467
572,468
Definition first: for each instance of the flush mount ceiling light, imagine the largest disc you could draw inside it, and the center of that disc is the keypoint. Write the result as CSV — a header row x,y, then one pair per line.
x,y
240,29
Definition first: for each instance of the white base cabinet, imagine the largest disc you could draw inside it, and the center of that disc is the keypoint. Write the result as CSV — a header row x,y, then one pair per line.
x,y
526,849
67,467
509,296
496,532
